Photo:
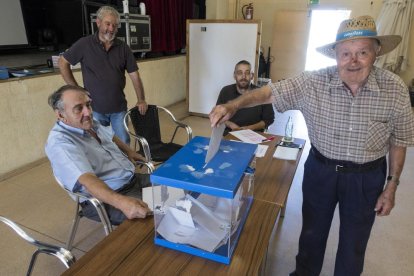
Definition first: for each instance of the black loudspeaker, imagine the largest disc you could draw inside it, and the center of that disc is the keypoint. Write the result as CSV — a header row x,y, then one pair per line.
x,y
47,39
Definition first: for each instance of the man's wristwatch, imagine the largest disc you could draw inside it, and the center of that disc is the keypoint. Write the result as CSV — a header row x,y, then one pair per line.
x,y
391,177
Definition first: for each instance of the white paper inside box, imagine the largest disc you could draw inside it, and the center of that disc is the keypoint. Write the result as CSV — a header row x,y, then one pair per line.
x,y
201,209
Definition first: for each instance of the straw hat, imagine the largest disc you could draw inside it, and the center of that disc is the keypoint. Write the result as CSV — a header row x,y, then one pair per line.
x,y
360,27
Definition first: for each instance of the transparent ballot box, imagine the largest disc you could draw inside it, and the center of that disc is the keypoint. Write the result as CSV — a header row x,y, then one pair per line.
x,y
201,208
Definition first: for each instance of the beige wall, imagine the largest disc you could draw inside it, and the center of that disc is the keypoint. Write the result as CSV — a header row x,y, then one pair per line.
x,y
269,10
217,9
26,118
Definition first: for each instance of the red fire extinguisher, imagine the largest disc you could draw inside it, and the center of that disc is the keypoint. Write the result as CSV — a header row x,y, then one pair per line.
x,y
247,11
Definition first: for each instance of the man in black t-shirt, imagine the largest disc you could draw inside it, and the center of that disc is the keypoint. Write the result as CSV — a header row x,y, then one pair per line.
x,y
104,60
254,118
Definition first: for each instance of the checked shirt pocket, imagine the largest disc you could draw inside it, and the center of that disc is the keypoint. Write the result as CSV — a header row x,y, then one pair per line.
x,y
378,135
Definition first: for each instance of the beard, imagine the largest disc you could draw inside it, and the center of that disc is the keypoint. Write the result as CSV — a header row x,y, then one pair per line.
x,y
108,37
243,84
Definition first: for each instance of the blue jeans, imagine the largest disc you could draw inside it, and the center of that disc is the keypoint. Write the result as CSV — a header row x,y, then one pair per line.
x,y
116,120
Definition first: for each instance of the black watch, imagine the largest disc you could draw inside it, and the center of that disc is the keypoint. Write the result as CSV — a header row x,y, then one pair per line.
x,y
390,177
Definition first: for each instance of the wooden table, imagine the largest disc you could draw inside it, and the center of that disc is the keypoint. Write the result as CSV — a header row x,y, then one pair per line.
x,y
273,177
130,249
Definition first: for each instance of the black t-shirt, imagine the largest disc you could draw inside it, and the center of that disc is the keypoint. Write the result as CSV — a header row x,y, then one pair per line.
x,y
246,116
103,71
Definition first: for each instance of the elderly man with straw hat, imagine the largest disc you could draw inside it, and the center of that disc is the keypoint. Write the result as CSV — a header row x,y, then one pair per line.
x,y
356,114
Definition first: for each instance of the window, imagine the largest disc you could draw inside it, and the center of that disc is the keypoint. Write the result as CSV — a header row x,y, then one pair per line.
x,y
324,25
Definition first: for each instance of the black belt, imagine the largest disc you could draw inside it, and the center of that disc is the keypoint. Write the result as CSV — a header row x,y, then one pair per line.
x,y
347,166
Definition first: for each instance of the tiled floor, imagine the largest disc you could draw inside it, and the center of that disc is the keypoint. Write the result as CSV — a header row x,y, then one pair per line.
x,y
40,206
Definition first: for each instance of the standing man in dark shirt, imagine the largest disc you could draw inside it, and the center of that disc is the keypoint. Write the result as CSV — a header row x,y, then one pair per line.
x,y
254,118
104,59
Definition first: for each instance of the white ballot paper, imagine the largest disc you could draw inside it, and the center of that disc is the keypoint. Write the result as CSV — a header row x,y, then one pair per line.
x,y
261,150
215,139
199,226
162,194
286,153
248,136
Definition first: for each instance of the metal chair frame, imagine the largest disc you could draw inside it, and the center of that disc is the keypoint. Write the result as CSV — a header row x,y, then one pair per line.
x,y
64,255
99,206
100,209
144,143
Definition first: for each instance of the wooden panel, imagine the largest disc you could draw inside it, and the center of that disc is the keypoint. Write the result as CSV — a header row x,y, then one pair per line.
x,y
290,39
111,251
273,177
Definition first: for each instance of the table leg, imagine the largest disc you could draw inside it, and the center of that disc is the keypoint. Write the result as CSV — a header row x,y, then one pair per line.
x,y
282,211
262,269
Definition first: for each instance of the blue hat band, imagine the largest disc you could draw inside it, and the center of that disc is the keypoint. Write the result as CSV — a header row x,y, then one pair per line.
x,y
355,33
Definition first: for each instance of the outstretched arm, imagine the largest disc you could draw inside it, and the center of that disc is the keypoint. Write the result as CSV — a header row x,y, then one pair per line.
x,y
256,126
224,112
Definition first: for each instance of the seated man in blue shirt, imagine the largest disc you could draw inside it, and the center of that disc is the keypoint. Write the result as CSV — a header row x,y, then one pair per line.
x,y
86,156
254,118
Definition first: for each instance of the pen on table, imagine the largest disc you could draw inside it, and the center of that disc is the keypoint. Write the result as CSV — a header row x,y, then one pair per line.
x,y
271,138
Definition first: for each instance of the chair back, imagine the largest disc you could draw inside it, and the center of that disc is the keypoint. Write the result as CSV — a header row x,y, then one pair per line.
x,y
147,133
64,255
148,125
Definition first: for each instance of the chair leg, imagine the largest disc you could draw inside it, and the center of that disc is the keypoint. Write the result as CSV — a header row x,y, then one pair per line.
x,y
66,258
100,208
32,262
74,228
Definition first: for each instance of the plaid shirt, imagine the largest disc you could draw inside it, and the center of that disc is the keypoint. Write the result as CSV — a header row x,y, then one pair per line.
x,y
343,127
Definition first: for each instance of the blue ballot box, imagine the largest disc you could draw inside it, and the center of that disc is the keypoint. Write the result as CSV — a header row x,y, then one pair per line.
x,y
201,208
